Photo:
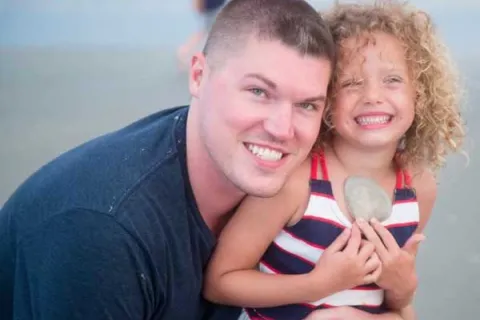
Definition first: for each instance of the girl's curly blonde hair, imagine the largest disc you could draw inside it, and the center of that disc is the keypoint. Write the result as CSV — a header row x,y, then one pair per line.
x,y
437,126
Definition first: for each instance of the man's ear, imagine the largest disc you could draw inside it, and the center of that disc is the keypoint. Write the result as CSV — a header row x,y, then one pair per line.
x,y
197,71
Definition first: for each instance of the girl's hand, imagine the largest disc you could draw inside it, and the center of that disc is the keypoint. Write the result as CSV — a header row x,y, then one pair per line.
x,y
398,264
348,262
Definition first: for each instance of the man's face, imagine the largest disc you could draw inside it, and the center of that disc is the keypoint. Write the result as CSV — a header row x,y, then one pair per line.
x,y
260,112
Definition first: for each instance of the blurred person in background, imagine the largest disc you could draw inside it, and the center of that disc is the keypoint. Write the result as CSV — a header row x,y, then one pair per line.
x,y
207,10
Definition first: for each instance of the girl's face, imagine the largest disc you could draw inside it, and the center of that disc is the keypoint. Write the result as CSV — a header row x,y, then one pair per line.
x,y
374,98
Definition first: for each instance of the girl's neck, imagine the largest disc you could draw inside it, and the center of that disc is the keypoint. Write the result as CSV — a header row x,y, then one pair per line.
x,y
373,163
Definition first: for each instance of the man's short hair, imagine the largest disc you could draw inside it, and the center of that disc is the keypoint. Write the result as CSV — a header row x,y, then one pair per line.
x,y
293,22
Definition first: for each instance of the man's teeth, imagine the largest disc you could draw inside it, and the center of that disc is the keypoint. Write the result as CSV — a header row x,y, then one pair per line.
x,y
373,120
265,153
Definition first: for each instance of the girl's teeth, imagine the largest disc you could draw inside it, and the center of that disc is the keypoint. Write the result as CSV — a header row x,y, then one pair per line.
x,y
373,120
265,153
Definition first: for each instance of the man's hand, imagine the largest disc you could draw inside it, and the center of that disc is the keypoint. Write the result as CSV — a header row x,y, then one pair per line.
x,y
398,275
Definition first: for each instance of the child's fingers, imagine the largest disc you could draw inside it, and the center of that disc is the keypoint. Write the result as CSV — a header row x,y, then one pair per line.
x,y
385,235
339,243
412,244
366,251
373,237
354,242
373,277
372,263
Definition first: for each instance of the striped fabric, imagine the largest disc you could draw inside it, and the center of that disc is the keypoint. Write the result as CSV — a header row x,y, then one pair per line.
x,y
296,249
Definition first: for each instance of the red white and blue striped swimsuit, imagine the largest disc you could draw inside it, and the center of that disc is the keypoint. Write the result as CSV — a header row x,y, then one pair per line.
x,y
296,249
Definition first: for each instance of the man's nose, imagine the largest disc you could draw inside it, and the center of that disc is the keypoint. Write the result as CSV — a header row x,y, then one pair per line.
x,y
279,123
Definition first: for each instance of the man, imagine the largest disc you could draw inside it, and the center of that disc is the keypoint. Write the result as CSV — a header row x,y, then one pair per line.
x,y
122,226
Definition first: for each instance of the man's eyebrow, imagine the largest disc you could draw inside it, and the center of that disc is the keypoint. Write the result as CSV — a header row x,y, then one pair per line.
x,y
262,78
272,85
319,98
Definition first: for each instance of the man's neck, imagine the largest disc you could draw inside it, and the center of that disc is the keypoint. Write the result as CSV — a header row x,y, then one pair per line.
x,y
215,195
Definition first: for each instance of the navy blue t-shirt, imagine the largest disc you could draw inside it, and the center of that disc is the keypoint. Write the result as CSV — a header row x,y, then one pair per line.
x,y
108,230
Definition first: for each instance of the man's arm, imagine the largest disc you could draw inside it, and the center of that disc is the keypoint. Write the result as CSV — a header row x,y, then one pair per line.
x,y
350,313
82,265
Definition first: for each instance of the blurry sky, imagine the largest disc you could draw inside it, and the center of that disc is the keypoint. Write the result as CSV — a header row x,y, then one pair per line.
x,y
167,22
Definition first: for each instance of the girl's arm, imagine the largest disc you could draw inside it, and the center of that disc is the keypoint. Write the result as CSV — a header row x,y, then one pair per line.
x,y
426,190
232,278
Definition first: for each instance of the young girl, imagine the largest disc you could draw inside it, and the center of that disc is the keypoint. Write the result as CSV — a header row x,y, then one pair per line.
x,y
393,117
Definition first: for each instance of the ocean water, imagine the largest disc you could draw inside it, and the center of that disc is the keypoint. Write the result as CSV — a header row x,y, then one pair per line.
x,y
52,100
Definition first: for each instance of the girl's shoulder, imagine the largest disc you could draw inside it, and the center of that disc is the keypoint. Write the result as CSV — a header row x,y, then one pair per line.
x,y
424,183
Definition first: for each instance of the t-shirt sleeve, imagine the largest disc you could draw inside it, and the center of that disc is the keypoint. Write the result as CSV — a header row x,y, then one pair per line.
x,y
83,265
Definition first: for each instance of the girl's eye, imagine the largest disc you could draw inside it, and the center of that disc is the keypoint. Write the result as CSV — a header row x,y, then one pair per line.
x,y
393,79
351,83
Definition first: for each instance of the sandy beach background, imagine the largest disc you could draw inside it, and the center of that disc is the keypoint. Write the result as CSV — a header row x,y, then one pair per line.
x,y
73,70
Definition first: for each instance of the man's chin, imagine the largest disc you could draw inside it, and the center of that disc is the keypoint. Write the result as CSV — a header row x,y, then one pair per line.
x,y
263,188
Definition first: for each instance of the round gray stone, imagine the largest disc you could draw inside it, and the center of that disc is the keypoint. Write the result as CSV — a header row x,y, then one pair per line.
x,y
366,199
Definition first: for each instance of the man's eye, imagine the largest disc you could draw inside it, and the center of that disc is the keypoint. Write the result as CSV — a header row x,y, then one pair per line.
x,y
308,106
258,92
